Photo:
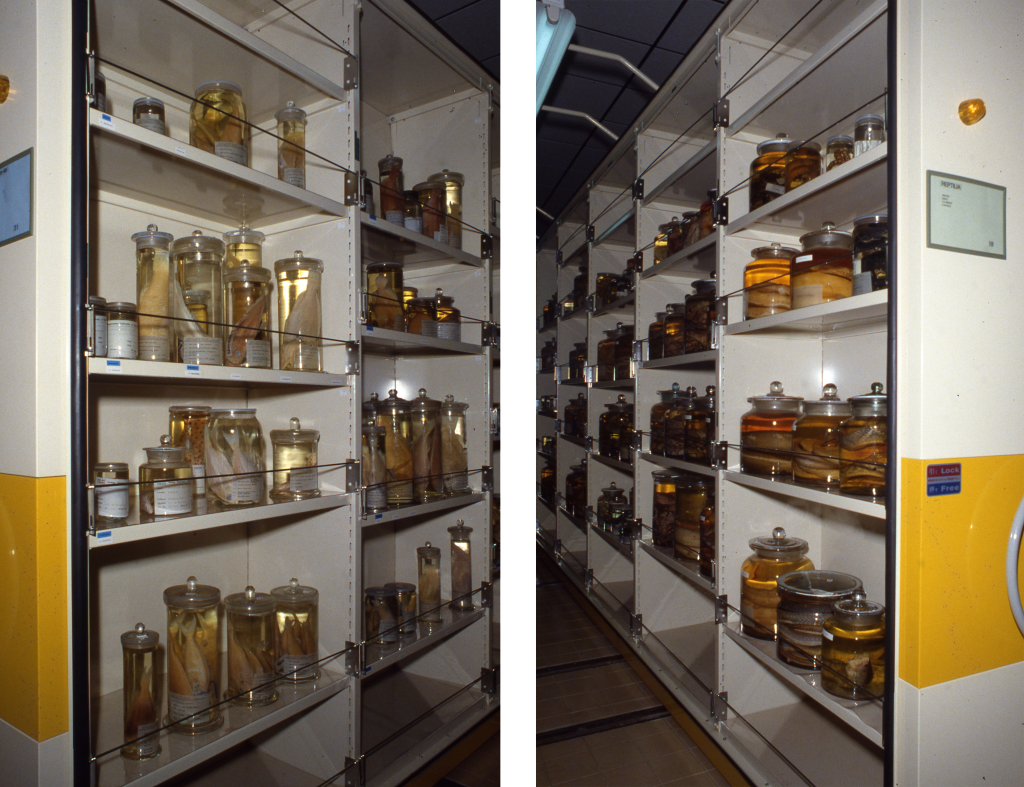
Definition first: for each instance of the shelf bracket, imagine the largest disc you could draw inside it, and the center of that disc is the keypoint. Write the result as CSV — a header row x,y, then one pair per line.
x,y
591,301
589,374
638,529
638,189
489,681
486,246
558,258
721,114
721,610
351,358
719,453
589,443
353,776
588,579
353,478
487,478
558,426
556,548
351,188
720,211
354,659
486,594
495,421
351,73
590,233
490,334
636,625
637,440
364,307
720,706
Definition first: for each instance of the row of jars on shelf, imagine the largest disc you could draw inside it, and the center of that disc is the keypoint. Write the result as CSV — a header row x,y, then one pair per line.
x,y
396,307
678,233
432,208
686,327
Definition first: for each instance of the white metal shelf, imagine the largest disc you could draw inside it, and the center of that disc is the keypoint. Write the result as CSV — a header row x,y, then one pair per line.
x,y
388,342
708,358
379,656
384,241
694,646
679,464
697,258
689,183
421,509
687,569
615,385
617,229
867,310
581,442
122,370
835,499
618,305
614,542
617,464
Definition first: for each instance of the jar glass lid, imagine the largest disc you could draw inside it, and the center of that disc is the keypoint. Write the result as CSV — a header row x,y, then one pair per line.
x,y
778,544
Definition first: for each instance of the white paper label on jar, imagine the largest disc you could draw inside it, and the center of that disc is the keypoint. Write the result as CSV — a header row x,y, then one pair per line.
x,y
302,479
154,348
257,353
808,295
449,330
181,706
428,328
309,357
111,503
455,240
202,349
441,236
152,122
458,482
376,498
414,224
171,498
295,176
122,339
262,692
864,145
395,216
99,335
199,474
300,665
774,188
744,574
232,151
747,614
826,634
243,489
861,283
148,746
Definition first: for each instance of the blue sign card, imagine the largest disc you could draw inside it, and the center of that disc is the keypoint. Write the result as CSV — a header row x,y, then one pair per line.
x,y
16,198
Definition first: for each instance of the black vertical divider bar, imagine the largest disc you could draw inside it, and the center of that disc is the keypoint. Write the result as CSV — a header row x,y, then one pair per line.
x,y
891,454
81,768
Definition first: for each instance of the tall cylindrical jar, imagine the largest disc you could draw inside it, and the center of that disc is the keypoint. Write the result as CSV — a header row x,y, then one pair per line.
x,y
427,465
405,602
658,418
766,433
431,196
235,457
700,316
392,189
247,306
141,702
217,121
773,556
863,440
823,271
453,184
610,432
691,495
449,319
295,462
454,454
297,631
395,416
413,219
462,566
152,287
374,469
805,603
111,494
193,640
816,439
291,147
251,653
98,325
766,286
656,337
674,330
768,171
698,428
198,260
188,432
675,422
299,316
428,562
243,247
663,517
384,295
606,354
853,649
122,330
165,481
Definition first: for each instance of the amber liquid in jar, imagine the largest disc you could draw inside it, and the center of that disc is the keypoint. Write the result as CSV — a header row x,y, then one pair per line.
x,y
297,635
664,516
690,500
251,658
822,276
767,443
674,331
862,450
766,286
759,592
803,164
816,447
217,122
141,705
853,660
768,176
606,360
192,668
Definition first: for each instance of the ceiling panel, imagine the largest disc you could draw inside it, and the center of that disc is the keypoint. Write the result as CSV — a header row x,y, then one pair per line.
x,y
474,28
690,25
643,21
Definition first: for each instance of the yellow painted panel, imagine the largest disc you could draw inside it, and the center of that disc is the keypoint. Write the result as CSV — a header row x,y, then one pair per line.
x,y
33,614
954,616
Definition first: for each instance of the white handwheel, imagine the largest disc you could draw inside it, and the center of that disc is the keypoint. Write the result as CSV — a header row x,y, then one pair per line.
x,y
1012,554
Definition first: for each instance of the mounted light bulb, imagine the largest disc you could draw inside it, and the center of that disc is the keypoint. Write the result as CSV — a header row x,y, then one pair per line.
x,y
971,111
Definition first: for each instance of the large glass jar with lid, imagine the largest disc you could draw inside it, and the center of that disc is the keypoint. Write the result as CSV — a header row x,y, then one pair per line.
x,y
674,330
766,433
297,631
217,121
663,517
453,183
428,571
373,469
656,337
766,287
235,454
816,439
428,479
384,295
675,422
699,311
658,418
768,171
454,456
548,353
692,494
295,462
609,494
612,426
244,246
395,416
575,424
141,705
870,253
606,354
197,261
805,603
577,361
853,649
247,306
863,440
773,556
188,432
672,229
420,317
299,316
462,566
165,481
803,164
606,290
576,489
291,145
152,287
251,652
868,132
624,353
392,189
192,656
449,319
431,197
823,271
699,428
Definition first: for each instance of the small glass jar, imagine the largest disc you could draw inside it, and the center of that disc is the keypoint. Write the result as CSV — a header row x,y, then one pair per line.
x,y
295,462
374,469
691,227
291,147
395,416
217,122
547,356
706,551
624,353
405,603
768,171
234,457
299,315
198,260
580,285
449,319
863,441
706,219
610,494
297,631
384,291
187,424
453,183
366,204
462,567
617,520
658,418
548,404
816,439
392,189
431,196
149,113
152,286
576,490
661,243
247,307
428,564
165,481
578,361
663,517
575,424
454,454
381,616
413,216
868,132
766,287
853,649
870,253
193,669
607,289
691,496
122,330
141,702
98,324
674,233
428,484
656,337
421,317
773,556
803,164
243,247
251,652
675,422
699,311
838,150
766,433
805,603
111,493
611,428
547,482
606,354
823,271
674,330
698,429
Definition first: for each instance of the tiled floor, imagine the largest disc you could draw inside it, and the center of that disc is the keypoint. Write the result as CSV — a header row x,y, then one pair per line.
x,y
481,769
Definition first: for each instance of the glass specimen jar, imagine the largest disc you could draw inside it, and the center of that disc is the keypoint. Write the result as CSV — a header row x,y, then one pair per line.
x,y
547,356
428,564
247,307
675,422
624,353
428,483
606,354
366,204
405,603
838,150
395,416
773,556
234,457
610,427
374,469
99,91
691,227
449,319
803,164
384,291
149,113
699,311
658,418
299,316
691,496
577,361
617,520
699,428
816,439
766,287
454,456
656,337
251,656
243,247
421,318
462,567
674,330
291,147
392,189
98,324
862,445
122,330
431,196
805,603
663,517
823,271
198,260
188,432
547,404
547,481
575,423
141,703
111,493
295,460
706,219
192,657
296,631
674,233
576,489
606,289
853,649
217,121
580,285
706,556
868,132
381,616
413,215
766,433
408,294
768,171
165,481
870,253
610,494
453,183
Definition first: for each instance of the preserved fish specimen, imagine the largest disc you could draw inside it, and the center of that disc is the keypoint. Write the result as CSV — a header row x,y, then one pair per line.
x,y
291,153
247,300
384,288
299,316
805,603
454,457
152,280
381,616
251,657
392,187
198,260
141,706
234,457
188,432
192,668
759,595
766,433
766,286
853,649
165,481
217,121
428,560
426,448
862,445
394,415
296,631
295,460
816,439
462,567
